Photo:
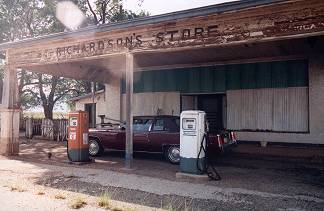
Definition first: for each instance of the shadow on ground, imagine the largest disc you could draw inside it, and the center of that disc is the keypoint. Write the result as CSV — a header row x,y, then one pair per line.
x,y
261,175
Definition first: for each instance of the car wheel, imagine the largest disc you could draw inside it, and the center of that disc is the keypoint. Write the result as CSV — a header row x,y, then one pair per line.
x,y
173,154
95,149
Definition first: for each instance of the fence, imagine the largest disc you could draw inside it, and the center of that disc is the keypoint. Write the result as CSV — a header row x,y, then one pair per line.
x,y
49,129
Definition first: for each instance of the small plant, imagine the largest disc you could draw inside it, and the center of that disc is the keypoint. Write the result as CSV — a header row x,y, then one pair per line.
x,y
77,203
116,209
170,207
17,188
103,200
40,193
60,196
71,176
187,206
13,188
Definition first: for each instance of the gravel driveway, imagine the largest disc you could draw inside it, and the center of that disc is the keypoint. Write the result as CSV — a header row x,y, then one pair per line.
x,y
249,185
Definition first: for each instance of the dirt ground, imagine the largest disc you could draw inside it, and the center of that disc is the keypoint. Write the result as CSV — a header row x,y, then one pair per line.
x,y
247,183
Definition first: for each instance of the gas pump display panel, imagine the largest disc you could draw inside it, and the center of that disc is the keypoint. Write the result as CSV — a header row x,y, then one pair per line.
x,y
189,124
73,121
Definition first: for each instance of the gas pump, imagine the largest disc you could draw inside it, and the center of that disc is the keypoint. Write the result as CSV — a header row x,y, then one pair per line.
x,y
77,144
194,157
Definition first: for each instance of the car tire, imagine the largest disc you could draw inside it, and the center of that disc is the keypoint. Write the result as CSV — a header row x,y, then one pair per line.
x,y
95,148
172,154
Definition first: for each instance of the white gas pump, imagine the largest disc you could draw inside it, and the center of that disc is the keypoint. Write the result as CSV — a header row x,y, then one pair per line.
x,y
192,132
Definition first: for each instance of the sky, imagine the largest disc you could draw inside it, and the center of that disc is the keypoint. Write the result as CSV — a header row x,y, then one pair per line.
x,y
156,7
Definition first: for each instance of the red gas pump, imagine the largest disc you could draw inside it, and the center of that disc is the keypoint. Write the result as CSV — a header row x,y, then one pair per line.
x,y
78,138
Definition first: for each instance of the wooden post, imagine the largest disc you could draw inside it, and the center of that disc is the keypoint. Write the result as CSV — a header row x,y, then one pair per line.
x,y
129,114
29,128
10,88
10,114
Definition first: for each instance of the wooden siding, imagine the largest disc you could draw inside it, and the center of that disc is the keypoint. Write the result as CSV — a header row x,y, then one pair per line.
x,y
290,109
267,22
280,109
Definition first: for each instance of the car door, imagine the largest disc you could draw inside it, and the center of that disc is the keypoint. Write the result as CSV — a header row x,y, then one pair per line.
x,y
141,128
110,139
164,132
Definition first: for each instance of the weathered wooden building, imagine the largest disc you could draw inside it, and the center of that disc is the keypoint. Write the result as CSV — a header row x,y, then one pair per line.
x,y
255,66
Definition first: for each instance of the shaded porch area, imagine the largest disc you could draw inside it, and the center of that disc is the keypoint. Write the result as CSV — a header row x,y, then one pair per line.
x,y
115,69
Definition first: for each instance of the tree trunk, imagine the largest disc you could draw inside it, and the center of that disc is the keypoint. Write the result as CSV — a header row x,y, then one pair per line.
x,y
1,88
48,111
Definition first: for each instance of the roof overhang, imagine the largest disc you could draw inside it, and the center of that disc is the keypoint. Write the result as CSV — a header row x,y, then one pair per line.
x,y
201,11
205,34
86,96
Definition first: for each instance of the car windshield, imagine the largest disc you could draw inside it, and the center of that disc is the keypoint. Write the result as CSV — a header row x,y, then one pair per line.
x,y
142,125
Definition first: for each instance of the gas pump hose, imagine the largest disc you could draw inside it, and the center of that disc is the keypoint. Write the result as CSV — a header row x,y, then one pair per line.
x,y
208,164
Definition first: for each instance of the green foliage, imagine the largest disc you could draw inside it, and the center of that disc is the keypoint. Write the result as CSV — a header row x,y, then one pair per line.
x,y
21,19
107,11
122,14
30,18
46,90
27,18
11,14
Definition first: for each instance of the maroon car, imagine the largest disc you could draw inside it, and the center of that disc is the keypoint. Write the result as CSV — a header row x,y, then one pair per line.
x,y
157,134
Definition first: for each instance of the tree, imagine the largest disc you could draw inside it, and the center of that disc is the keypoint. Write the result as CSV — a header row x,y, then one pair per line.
x,y
30,18
1,80
60,88
20,19
11,19
106,11
47,91
122,14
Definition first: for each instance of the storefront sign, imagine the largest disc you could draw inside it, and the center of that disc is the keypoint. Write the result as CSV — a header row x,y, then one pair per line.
x,y
134,41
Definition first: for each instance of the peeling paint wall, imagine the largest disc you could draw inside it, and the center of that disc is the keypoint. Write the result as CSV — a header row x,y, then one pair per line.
x,y
316,112
163,103
113,100
316,95
100,105
280,109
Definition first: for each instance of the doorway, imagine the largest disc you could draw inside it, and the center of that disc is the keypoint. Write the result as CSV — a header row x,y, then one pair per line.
x,y
213,104
90,108
215,107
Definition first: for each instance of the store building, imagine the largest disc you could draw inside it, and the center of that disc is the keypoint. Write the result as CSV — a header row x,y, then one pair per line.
x,y
255,66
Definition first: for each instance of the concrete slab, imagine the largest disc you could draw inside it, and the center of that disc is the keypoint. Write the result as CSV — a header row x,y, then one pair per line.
x,y
201,177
